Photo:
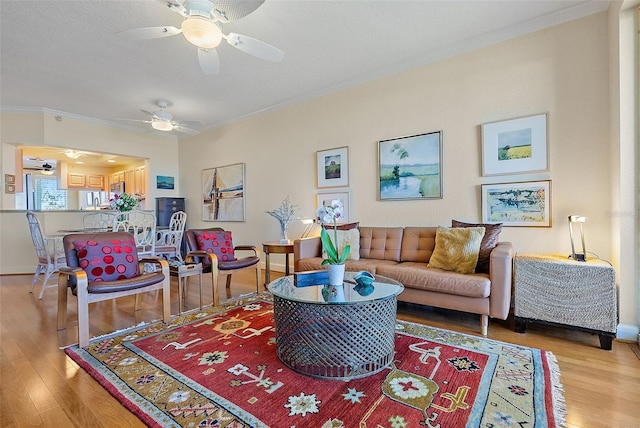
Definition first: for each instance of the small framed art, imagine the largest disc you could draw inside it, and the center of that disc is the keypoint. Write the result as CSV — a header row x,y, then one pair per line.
x,y
326,198
164,182
333,167
410,167
526,203
515,146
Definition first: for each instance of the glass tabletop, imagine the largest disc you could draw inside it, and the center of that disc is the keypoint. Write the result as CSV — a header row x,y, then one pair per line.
x,y
349,293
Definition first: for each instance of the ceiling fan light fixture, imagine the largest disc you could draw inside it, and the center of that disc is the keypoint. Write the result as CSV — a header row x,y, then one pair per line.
x,y
201,32
47,172
72,154
162,125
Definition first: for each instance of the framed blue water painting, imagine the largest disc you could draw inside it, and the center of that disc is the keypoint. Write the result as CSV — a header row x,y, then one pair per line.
x,y
164,182
410,167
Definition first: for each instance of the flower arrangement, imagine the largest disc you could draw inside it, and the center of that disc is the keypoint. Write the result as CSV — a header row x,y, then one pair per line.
x,y
330,214
284,214
124,202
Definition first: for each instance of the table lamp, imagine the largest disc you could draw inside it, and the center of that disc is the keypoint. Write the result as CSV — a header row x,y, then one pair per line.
x,y
308,223
580,220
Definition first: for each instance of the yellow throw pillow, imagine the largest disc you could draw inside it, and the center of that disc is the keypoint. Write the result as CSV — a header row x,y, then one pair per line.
x,y
351,237
457,249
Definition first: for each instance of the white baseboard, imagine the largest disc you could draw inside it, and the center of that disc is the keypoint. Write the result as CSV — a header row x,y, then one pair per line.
x,y
628,332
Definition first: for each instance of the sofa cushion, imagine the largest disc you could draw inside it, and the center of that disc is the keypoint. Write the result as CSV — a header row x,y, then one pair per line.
x,y
218,242
489,242
418,244
351,237
457,249
418,276
108,260
381,243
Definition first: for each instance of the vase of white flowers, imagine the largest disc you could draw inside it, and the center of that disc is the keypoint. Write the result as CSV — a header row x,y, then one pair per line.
x,y
124,202
330,214
284,214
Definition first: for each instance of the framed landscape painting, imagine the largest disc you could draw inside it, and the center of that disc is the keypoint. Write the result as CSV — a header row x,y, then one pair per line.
x,y
515,146
333,167
410,167
164,182
223,193
526,203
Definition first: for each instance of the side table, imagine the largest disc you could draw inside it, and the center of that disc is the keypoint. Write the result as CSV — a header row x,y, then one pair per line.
x,y
183,272
275,248
557,290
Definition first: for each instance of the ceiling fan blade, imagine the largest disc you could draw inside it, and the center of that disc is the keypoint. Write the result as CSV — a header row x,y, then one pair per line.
x,y
148,33
232,10
185,130
209,61
148,112
255,47
189,123
135,120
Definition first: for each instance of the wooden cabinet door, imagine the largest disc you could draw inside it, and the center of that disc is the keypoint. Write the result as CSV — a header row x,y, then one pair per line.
x,y
76,180
95,181
140,184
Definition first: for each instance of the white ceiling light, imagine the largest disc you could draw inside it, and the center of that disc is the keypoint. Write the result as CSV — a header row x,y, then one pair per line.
x,y
47,172
201,32
162,125
72,154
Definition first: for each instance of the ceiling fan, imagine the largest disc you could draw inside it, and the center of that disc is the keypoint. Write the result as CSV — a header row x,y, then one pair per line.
x,y
46,168
202,27
162,120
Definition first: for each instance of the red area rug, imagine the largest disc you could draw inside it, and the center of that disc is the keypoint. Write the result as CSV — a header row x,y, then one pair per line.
x,y
218,368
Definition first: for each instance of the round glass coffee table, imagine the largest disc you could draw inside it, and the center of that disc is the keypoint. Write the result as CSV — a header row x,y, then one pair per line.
x,y
343,335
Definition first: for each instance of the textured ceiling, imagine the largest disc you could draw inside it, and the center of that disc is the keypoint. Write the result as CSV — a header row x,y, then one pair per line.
x,y
63,55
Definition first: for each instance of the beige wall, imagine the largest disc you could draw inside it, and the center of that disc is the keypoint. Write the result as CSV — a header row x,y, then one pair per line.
x,y
563,70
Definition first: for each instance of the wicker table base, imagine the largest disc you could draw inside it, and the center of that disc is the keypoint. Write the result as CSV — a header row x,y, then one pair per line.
x,y
347,340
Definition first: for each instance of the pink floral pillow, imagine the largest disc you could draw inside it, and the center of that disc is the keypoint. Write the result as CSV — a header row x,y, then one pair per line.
x,y
217,242
108,260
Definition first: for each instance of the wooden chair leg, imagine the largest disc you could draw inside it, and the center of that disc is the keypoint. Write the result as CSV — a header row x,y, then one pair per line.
x,y
62,301
214,286
83,320
258,278
166,299
228,281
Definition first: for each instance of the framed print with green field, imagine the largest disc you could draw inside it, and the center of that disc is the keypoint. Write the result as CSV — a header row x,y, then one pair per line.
x,y
515,146
333,167
410,167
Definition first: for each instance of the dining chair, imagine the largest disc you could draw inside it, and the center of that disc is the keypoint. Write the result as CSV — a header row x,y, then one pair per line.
x,y
49,252
169,241
215,250
105,266
142,225
98,220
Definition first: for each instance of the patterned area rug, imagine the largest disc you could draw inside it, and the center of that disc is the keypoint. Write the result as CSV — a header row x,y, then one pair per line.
x,y
218,368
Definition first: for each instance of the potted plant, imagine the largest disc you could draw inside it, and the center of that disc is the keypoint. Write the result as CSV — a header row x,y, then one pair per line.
x,y
330,214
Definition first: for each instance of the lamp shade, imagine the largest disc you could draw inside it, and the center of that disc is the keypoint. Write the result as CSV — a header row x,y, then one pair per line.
x,y
201,32
162,125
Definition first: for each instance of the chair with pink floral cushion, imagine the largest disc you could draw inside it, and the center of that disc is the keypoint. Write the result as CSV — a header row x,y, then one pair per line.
x,y
104,266
215,250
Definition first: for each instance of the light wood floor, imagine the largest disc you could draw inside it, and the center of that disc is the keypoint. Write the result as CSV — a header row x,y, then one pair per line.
x,y
40,386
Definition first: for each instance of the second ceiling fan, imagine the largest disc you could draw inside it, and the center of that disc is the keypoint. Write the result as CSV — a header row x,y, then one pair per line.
x,y
202,27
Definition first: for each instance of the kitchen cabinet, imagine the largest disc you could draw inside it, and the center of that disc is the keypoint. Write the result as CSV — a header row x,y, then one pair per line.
x,y
139,178
85,181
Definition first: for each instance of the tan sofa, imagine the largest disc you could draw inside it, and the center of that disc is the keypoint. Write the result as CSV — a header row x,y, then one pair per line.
x,y
402,253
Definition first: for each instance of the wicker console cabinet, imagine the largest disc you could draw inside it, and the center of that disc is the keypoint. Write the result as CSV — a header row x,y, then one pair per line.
x,y
557,290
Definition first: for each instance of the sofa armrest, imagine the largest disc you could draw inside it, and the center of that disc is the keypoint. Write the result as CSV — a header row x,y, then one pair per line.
x,y
501,273
305,248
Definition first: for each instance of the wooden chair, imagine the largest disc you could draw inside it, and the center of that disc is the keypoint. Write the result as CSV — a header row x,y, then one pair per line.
x,y
215,264
49,252
169,242
78,278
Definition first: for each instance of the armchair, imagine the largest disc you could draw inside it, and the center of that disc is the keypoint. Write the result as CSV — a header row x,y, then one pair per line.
x,y
104,266
215,250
